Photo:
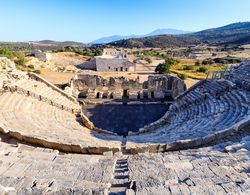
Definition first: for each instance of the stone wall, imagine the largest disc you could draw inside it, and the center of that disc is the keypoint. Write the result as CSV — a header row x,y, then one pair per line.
x,y
166,84
94,86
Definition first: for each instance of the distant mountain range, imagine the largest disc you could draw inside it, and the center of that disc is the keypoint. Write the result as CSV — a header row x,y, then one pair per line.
x,y
167,31
232,34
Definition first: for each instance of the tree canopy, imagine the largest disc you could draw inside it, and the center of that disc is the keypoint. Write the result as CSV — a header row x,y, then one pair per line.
x,y
165,67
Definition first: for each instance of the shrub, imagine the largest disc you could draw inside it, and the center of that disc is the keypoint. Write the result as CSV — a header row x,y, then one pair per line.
x,y
182,76
207,62
22,68
202,69
188,67
166,66
6,53
148,60
20,58
197,63
227,60
37,71
31,66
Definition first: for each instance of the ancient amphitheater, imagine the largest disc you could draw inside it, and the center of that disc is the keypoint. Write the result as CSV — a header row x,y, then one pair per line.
x,y
201,145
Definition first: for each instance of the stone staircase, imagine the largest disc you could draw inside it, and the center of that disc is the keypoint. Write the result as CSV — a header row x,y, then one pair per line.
x,y
121,178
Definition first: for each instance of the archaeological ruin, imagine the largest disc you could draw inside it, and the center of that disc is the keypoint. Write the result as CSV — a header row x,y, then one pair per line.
x,y
156,87
172,140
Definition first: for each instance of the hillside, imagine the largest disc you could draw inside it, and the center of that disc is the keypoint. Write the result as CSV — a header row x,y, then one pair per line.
x,y
157,41
58,43
42,45
227,34
233,34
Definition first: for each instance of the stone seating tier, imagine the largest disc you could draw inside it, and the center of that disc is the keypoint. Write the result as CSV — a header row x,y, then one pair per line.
x,y
196,121
37,122
32,170
42,89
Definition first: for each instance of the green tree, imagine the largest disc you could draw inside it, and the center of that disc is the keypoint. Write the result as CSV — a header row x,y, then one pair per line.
x,y
166,66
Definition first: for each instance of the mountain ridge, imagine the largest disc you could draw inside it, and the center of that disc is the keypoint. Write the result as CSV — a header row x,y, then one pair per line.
x,y
233,34
160,31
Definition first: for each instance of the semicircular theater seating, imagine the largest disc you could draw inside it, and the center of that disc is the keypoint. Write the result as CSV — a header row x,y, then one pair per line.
x,y
37,122
211,110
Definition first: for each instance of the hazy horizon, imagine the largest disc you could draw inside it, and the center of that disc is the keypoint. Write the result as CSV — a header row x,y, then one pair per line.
x,y
86,21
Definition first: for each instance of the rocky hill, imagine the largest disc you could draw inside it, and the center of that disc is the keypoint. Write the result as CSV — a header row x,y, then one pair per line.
x,y
6,64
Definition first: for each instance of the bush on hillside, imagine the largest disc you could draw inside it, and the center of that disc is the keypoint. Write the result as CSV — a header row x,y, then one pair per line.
x,y
6,53
207,62
37,71
20,59
202,69
197,63
188,67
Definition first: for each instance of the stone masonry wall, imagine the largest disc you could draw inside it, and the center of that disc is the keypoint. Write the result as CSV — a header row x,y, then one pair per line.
x,y
93,86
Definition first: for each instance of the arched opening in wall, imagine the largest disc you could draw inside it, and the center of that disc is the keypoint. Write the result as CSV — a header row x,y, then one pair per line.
x,y
138,95
145,95
126,69
121,69
125,94
98,95
82,95
111,96
104,96
152,94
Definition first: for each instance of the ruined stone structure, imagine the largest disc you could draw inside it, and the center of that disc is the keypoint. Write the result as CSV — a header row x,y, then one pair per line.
x,y
93,86
210,121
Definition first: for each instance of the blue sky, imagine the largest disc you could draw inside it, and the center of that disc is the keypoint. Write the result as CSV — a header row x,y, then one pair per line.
x,y
87,20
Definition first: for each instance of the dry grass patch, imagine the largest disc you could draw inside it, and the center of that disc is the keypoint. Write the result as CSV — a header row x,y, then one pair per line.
x,y
189,68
